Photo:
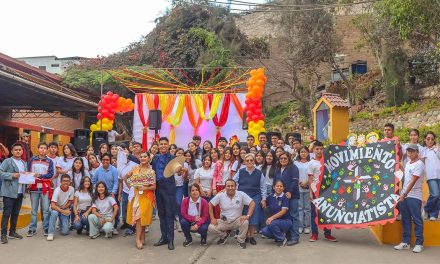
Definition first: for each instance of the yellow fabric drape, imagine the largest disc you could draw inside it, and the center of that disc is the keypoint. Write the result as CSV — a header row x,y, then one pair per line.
x,y
199,99
175,120
166,102
190,113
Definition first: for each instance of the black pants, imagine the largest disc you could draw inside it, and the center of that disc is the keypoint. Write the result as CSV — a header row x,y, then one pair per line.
x,y
166,204
11,210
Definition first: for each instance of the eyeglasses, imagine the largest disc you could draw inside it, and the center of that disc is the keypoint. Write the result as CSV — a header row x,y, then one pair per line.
x,y
105,159
284,158
249,160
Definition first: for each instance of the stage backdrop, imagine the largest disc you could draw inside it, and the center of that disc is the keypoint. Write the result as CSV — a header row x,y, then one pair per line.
x,y
184,132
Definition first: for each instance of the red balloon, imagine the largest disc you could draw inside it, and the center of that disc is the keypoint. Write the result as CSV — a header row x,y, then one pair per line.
x,y
252,106
99,103
248,120
99,116
105,112
99,109
115,98
111,116
102,97
254,117
110,93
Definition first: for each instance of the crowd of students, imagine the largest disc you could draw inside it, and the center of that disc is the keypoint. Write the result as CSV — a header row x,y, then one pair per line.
x,y
231,190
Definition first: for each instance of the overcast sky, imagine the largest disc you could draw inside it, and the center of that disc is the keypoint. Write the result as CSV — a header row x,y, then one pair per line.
x,y
74,28
85,28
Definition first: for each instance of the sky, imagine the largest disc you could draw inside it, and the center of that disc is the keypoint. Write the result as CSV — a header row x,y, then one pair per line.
x,y
65,28
85,28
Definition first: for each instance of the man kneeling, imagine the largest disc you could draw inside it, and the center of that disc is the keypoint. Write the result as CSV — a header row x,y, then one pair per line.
x,y
61,201
231,207
279,221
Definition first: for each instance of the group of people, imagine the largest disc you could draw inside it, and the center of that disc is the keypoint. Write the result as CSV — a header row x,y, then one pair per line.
x,y
231,190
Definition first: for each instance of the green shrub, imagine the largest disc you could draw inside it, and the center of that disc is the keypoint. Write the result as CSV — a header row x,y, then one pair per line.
x,y
363,115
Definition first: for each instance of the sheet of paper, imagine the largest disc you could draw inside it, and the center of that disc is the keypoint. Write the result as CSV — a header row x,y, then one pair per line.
x,y
26,178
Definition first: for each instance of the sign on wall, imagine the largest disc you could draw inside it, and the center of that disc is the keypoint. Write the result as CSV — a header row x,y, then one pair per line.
x,y
358,186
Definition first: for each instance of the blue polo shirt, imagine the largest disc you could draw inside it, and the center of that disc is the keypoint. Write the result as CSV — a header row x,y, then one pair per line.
x,y
109,176
159,163
276,203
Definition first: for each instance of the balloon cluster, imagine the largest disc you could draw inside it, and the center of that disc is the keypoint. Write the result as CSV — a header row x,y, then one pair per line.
x,y
108,106
253,106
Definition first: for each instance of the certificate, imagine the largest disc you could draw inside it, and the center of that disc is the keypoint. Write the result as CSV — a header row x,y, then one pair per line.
x,y
26,178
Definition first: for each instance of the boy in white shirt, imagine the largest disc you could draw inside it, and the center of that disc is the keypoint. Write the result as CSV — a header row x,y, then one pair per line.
x,y
411,200
62,198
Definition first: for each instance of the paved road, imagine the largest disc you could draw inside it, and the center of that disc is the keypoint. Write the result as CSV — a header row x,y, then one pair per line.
x,y
355,246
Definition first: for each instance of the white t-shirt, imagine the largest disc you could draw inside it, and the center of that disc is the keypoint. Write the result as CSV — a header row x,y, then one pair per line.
x,y
178,179
226,171
64,165
61,198
105,206
76,177
231,208
432,162
417,169
124,166
112,136
314,168
192,171
21,168
268,180
84,200
235,166
55,162
193,210
303,168
205,177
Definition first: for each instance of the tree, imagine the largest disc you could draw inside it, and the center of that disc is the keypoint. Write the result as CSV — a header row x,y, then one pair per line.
x,y
309,41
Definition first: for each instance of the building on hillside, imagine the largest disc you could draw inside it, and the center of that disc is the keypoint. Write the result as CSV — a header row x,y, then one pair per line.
x,y
52,64
34,101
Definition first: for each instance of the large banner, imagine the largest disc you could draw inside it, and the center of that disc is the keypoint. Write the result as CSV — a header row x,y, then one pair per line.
x,y
357,188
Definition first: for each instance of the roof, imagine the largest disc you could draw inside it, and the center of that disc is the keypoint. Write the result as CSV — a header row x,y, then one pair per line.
x,y
335,100
25,87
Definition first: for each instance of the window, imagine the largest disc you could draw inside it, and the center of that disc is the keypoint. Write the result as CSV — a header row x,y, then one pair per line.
x,y
42,68
42,137
54,65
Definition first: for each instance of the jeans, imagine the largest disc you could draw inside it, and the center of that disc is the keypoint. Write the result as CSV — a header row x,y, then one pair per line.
x,y
166,207
294,216
82,224
11,210
124,207
117,214
64,222
432,206
277,229
410,208
45,203
179,198
314,220
96,226
304,209
185,189
186,228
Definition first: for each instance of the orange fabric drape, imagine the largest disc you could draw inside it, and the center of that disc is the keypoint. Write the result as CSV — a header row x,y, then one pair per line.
x,y
167,104
190,113
237,105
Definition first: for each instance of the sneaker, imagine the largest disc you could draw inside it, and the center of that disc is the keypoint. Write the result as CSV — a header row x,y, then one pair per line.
x,y
306,230
418,248
45,232
71,228
109,235
15,235
4,239
242,245
95,236
402,246
292,243
115,232
252,241
203,242
49,237
432,218
399,217
129,232
30,233
187,243
264,237
222,241
281,243
78,232
330,238
300,230
197,234
124,226
147,229
313,238
425,215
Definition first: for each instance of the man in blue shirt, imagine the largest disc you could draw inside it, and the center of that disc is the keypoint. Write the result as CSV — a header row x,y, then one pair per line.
x,y
108,174
165,194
